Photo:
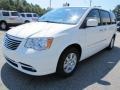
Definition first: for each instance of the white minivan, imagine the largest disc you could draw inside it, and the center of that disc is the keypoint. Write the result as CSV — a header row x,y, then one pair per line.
x,y
60,39
10,18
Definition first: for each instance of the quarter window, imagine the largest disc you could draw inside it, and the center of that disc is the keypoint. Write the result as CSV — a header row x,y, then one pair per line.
x,y
105,17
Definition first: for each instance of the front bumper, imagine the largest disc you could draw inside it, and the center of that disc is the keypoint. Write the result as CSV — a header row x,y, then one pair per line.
x,y
32,62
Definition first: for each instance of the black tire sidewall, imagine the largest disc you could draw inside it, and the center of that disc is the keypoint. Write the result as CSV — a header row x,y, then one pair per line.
x,y
60,71
27,21
1,26
109,47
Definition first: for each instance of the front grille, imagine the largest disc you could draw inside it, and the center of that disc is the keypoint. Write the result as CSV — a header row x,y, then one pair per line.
x,y
11,42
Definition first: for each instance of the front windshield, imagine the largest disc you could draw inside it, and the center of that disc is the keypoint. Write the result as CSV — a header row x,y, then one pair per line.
x,y
68,15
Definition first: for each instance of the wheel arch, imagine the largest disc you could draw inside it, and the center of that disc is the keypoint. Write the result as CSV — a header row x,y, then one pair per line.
x,y
75,45
3,21
27,21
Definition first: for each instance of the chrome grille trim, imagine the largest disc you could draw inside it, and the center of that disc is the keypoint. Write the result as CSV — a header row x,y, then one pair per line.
x,y
11,42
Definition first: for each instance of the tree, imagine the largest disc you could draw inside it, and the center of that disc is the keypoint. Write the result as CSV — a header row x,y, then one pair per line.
x,y
117,12
21,6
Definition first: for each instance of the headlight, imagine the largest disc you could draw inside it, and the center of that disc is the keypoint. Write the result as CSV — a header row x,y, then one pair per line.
x,y
39,43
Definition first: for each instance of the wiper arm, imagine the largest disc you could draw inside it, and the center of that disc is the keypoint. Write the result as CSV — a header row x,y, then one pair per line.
x,y
48,21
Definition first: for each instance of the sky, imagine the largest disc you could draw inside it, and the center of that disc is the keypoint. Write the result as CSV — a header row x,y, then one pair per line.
x,y
105,4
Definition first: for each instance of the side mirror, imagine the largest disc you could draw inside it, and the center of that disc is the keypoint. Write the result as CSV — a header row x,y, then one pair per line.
x,y
92,22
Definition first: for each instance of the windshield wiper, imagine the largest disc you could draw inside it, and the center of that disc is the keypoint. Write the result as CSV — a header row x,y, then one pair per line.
x,y
48,21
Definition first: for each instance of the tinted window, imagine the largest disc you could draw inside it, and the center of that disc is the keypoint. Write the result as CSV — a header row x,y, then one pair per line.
x,y
94,14
34,15
14,14
23,15
29,15
113,18
5,13
118,24
105,17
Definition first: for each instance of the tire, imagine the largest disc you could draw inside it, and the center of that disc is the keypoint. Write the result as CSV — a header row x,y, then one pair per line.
x,y
64,62
27,21
111,45
3,26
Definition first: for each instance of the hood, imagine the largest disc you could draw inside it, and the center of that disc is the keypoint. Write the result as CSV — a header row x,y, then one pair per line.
x,y
44,29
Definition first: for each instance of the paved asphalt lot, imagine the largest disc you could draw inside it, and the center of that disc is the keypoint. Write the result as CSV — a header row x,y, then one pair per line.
x,y
99,72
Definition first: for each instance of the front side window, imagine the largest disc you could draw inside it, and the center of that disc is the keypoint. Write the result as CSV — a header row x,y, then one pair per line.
x,y
29,15
5,13
105,17
94,14
68,15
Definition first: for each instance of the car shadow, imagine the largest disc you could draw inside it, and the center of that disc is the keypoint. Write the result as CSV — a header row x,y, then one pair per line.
x,y
89,71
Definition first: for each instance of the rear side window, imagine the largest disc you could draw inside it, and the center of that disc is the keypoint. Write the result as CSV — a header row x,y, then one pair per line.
x,y
105,17
23,15
14,14
113,18
5,13
29,15
94,14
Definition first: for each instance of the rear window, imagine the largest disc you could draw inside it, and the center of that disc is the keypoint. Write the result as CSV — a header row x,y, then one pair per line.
x,y
14,14
5,13
23,15
29,15
35,15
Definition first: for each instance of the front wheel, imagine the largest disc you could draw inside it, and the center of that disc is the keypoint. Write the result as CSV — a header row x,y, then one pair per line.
x,y
68,62
111,45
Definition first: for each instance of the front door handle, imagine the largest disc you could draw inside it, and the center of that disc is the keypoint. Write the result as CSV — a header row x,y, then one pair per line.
x,y
101,30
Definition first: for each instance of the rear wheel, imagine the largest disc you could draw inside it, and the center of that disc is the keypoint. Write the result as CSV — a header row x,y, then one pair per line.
x,y
3,25
68,62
